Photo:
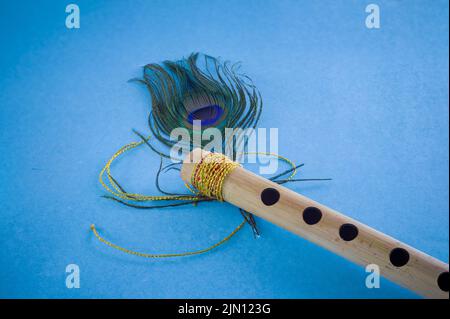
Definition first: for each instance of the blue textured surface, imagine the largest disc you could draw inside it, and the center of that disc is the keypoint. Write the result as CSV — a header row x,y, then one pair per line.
x,y
368,108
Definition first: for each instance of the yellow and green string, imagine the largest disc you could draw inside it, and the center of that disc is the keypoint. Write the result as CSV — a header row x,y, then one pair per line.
x,y
198,193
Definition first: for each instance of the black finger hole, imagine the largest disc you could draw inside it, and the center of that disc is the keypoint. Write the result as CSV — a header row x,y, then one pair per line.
x,y
348,232
399,257
443,281
270,196
312,215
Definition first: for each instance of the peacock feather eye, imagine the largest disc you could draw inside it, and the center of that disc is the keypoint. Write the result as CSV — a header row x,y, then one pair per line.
x,y
205,109
199,88
208,114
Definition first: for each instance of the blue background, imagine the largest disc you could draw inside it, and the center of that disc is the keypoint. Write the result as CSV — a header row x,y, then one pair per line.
x,y
368,108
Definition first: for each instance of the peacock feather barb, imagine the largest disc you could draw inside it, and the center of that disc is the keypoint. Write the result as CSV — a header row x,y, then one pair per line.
x,y
203,88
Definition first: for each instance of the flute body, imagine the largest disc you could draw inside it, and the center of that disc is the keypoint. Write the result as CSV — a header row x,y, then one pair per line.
x,y
332,230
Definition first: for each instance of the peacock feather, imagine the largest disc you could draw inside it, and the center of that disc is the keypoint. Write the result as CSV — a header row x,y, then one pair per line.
x,y
202,88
